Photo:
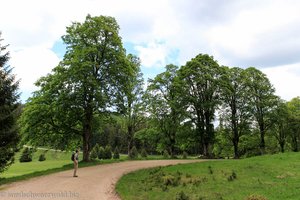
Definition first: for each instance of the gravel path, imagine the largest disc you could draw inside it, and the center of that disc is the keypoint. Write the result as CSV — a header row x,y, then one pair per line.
x,y
93,183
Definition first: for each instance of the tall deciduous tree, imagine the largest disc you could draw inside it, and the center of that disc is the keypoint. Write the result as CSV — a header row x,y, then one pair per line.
x,y
235,109
294,122
165,105
262,100
129,99
280,123
200,81
81,87
8,110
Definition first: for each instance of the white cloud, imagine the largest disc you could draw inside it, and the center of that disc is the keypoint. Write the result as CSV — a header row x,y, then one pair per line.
x,y
237,33
154,54
32,63
286,80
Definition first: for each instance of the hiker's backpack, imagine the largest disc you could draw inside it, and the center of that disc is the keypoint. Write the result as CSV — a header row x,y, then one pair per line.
x,y
73,156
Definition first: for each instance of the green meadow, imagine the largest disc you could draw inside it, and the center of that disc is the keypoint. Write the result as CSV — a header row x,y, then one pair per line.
x,y
265,177
55,161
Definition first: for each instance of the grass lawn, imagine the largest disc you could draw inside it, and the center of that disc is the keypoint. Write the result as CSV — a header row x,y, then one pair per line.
x,y
55,161
271,176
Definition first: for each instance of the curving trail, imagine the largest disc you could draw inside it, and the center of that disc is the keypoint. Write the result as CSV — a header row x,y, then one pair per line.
x,y
93,183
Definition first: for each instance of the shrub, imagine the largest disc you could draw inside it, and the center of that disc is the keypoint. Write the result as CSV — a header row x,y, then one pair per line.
x,y
232,177
210,170
42,157
107,152
182,196
101,153
170,180
94,152
166,154
133,153
184,155
144,153
116,153
26,155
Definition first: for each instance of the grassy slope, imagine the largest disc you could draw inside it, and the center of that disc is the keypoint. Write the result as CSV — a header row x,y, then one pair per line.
x,y
271,176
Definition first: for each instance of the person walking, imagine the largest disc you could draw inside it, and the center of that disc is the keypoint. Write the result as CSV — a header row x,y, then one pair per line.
x,y
75,160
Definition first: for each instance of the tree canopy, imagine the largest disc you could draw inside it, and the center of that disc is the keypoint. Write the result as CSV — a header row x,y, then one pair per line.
x,y
9,110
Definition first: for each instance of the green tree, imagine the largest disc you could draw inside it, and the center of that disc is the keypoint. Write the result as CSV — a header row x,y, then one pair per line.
x,y
235,108
262,100
8,110
81,88
200,82
280,123
129,99
165,105
294,122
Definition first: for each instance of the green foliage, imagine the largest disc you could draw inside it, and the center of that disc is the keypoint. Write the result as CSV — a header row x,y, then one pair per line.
x,y
294,122
262,101
107,153
133,153
116,153
144,153
42,157
61,114
101,153
182,196
26,155
129,99
210,171
94,152
235,115
9,110
200,83
166,106
232,177
166,154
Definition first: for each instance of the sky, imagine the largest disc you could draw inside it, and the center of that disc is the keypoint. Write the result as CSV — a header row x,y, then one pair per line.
x,y
238,33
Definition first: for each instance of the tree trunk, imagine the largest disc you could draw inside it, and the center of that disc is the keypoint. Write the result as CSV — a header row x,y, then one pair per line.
x,y
236,148
282,147
294,143
281,139
234,123
262,144
87,132
129,138
172,145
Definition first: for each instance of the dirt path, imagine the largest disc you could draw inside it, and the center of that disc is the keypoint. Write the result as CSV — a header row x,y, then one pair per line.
x,y
93,183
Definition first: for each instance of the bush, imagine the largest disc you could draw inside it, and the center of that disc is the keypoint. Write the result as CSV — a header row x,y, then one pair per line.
x,y
107,152
144,153
26,155
94,152
170,180
232,177
182,196
166,154
133,154
42,157
101,153
184,155
116,153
